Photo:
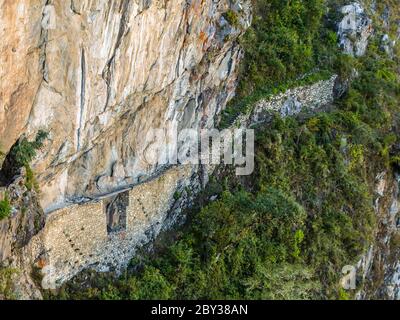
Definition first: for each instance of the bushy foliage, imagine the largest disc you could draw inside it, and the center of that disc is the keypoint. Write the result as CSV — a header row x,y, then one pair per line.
x,y
281,44
6,290
5,208
287,45
20,155
24,151
232,18
30,179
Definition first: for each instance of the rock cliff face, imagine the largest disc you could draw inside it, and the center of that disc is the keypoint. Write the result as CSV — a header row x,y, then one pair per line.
x,y
354,29
99,75
378,270
303,98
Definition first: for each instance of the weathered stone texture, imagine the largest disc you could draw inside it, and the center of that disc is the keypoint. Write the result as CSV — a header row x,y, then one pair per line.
x,y
354,29
291,102
26,218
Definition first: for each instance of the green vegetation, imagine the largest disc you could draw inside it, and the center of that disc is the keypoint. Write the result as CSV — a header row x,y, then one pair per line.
x,y
286,46
24,151
177,195
20,155
5,208
286,231
6,290
30,180
290,33
232,18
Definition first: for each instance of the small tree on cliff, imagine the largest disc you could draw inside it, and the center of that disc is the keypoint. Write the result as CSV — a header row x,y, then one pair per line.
x,y
21,154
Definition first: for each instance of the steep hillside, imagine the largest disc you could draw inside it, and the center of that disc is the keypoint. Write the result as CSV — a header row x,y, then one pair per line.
x,y
324,194
83,85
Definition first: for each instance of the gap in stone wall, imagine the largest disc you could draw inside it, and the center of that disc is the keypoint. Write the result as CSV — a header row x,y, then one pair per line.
x,y
116,213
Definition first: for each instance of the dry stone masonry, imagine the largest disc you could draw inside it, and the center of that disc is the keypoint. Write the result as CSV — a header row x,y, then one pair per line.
x,y
291,102
80,236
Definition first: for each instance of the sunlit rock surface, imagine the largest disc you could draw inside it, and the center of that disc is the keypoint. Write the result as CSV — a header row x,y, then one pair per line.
x,y
99,75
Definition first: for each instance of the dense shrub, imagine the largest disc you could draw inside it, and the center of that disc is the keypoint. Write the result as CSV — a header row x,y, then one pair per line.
x,y
232,18
24,151
30,179
5,208
6,285
21,154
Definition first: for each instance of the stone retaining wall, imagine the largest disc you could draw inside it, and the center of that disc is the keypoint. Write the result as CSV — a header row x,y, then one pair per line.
x,y
76,237
292,102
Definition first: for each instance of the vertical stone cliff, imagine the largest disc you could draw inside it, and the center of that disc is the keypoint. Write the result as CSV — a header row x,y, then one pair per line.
x,y
97,77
